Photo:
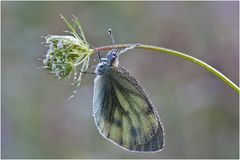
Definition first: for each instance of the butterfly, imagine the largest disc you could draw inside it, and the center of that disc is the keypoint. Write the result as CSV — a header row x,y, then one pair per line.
x,y
122,111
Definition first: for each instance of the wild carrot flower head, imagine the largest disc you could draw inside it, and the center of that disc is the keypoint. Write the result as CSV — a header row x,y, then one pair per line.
x,y
68,54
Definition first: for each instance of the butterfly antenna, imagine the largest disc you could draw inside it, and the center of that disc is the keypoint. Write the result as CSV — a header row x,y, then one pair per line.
x,y
111,35
113,41
128,48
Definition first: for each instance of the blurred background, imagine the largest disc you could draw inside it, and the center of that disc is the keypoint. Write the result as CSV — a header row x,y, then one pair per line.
x,y
200,113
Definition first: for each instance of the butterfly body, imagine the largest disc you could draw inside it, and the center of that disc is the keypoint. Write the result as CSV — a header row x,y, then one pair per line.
x,y
122,111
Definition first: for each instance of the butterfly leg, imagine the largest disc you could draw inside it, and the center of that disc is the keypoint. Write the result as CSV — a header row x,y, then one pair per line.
x,y
92,66
99,56
86,72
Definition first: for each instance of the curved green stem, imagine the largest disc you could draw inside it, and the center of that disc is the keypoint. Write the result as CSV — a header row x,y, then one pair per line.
x,y
178,54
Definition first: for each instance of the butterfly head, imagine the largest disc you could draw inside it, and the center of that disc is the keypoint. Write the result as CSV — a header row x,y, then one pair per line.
x,y
111,56
105,63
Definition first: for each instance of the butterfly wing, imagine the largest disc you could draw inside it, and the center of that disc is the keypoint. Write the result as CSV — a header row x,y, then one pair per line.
x,y
124,114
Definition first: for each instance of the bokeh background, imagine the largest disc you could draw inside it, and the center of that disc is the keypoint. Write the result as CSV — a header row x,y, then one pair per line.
x,y
200,113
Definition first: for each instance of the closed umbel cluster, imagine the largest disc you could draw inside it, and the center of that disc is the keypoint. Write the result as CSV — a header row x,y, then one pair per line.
x,y
68,54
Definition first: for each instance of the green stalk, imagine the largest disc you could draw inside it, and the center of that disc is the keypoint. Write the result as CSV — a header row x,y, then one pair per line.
x,y
178,54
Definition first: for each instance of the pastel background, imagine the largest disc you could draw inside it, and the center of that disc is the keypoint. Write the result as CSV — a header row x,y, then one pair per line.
x,y
200,113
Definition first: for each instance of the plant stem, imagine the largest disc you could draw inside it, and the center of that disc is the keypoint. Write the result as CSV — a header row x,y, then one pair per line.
x,y
178,54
